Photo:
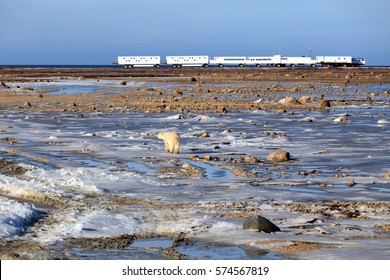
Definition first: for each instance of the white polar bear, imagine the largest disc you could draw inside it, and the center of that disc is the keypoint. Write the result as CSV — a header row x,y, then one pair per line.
x,y
171,141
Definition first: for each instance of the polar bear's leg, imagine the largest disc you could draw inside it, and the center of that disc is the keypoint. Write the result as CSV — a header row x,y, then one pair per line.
x,y
175,148
167,146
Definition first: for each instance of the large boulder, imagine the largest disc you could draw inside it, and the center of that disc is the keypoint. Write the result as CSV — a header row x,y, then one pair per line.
x,y
279,156
260,223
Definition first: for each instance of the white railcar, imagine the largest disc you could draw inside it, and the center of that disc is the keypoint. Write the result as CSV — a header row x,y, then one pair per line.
x,y
278,60
194,60
139,61
261,61
222,61
338,61
293,61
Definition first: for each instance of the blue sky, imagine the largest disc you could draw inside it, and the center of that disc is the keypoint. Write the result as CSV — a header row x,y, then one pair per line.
x,y
97,31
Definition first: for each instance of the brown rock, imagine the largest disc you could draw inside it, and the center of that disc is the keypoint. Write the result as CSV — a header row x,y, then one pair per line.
x,y
279,156
288,100
208,157
251,160
351,183
306,99
177,92
324,104
221,109
205,135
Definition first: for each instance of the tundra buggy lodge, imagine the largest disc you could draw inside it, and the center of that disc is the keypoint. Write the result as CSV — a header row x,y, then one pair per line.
x,y
239,61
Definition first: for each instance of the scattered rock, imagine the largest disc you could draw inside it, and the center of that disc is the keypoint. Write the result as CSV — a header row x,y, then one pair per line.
x,y
3,85
242,173
341,119
176,92
288,100
279,156
351,183
11,168
123,83
103,243
305,99
260,223
251,160
12,256
324,104
193,79
205,135
190,171
208,157
221,109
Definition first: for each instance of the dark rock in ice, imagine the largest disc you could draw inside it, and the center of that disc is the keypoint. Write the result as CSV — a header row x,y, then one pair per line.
x,y
260,223
3,85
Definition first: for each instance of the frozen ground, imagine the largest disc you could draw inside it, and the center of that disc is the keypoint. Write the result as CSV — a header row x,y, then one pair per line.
x,y
107,175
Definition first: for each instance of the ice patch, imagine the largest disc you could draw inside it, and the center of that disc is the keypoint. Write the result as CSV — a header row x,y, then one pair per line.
x,y
15,217
98,223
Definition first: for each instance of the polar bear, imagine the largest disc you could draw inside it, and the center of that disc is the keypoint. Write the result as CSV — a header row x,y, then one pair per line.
x,y
171,141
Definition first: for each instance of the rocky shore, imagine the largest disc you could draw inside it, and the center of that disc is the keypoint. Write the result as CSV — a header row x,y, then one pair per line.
x,y
197,90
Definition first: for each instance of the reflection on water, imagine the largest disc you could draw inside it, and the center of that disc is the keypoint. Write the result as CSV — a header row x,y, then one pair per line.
x,y
153,248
